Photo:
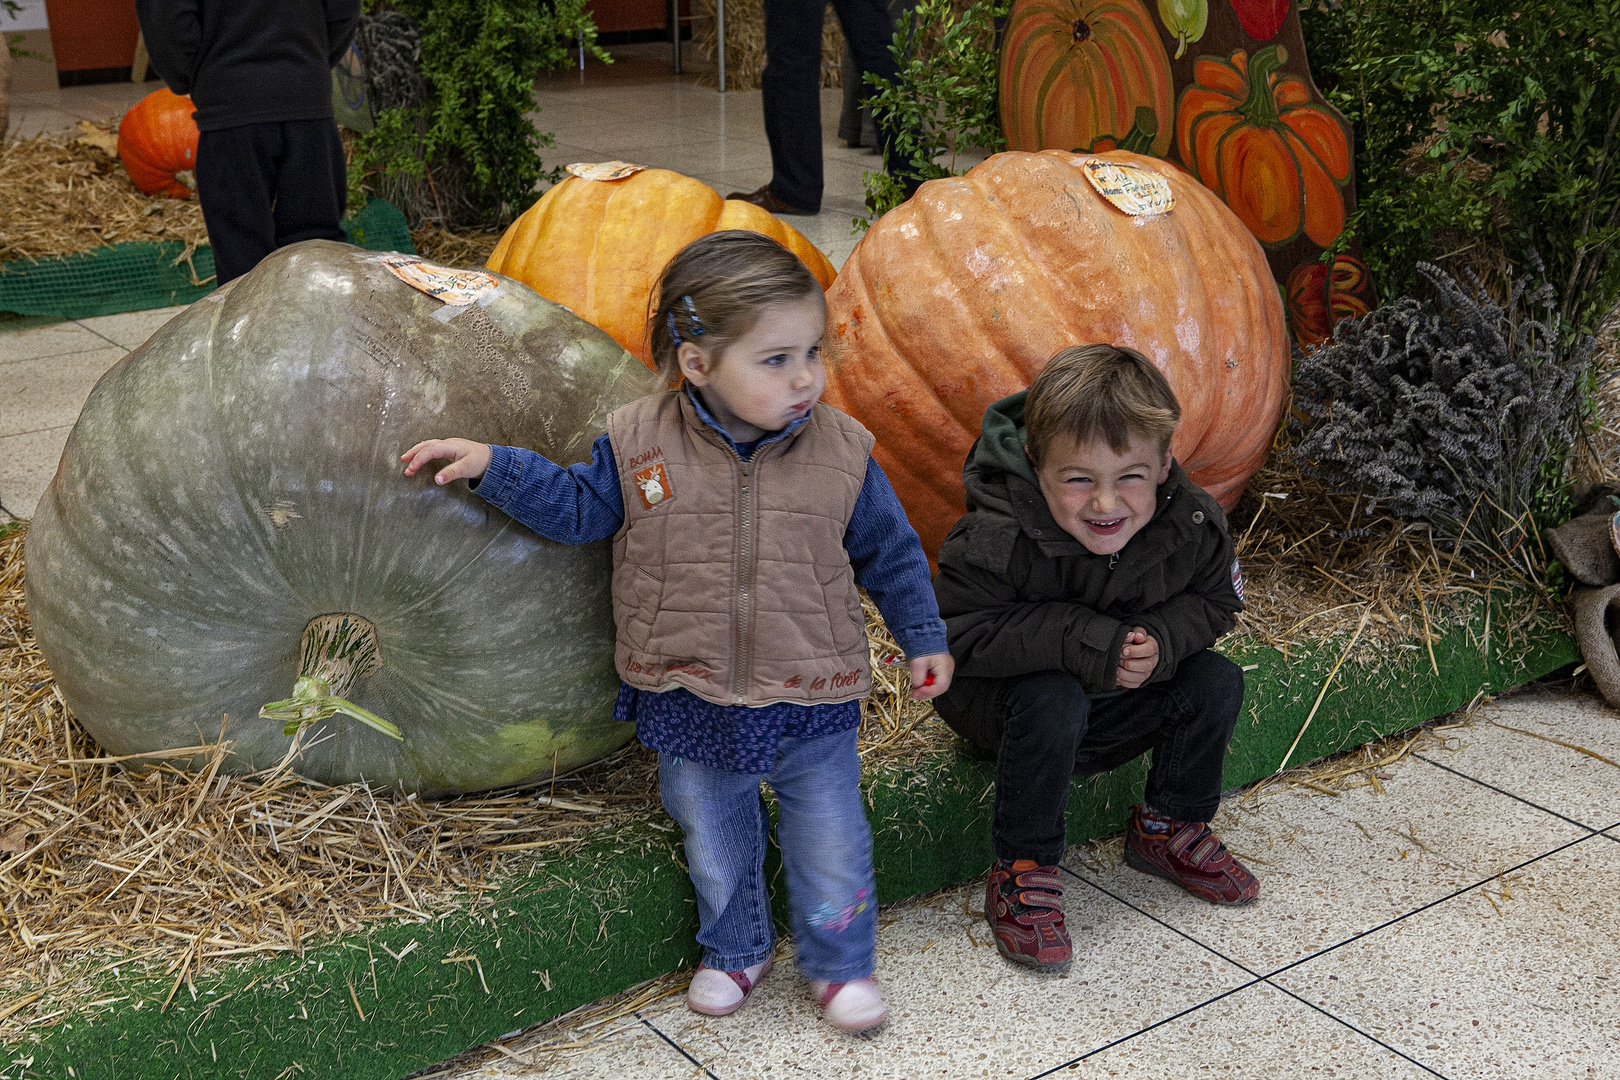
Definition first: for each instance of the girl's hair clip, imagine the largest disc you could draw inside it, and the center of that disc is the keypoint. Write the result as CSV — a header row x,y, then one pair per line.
x,y
696,324
674,333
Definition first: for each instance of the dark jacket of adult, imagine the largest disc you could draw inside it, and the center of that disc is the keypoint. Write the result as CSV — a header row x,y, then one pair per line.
x,y
1020,595
249,61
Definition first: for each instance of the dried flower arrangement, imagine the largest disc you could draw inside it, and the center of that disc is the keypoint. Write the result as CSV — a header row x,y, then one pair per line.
x,y
1460,411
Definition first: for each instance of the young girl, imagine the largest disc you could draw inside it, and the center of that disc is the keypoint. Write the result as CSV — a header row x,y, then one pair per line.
x,y
743,514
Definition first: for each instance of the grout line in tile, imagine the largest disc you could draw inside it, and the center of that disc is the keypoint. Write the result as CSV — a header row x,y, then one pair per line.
x,y
1509,794
1434,903
92,330
1258,978
34,431
1151,1027
679,1049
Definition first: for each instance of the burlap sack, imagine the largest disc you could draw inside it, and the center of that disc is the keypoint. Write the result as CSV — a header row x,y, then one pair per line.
x,y
1585,548
1597,631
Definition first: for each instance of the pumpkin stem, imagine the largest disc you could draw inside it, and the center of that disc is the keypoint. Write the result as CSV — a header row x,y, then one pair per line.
x,y
335,651
1139,140
1080,32
1261,107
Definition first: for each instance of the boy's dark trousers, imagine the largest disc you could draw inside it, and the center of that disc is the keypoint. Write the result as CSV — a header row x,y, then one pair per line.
x,y
1044,728
264,186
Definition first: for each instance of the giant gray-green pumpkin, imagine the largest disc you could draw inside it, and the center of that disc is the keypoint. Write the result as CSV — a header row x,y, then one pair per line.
x,y
238,477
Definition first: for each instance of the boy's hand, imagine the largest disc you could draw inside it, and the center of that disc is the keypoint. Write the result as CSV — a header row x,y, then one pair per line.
x,y
1137,660
468,460
930,675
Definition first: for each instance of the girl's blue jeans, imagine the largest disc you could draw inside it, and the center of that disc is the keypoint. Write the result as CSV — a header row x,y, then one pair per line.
x,y
826,855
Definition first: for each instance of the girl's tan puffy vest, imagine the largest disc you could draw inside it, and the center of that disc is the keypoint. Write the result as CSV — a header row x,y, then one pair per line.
x,y
729,577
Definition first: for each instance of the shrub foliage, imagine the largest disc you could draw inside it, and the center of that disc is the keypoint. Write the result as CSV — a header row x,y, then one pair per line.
x,y
1481,123
472,142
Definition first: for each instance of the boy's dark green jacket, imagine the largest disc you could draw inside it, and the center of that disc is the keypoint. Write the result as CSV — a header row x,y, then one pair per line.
x,y
1019,594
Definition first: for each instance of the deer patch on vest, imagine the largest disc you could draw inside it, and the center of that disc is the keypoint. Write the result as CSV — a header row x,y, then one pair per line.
x,y
653,485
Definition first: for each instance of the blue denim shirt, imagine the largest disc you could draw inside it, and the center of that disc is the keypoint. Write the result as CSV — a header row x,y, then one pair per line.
x,y
585,502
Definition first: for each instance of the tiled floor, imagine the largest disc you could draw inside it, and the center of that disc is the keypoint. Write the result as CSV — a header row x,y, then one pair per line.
x,y
58,110
1459,923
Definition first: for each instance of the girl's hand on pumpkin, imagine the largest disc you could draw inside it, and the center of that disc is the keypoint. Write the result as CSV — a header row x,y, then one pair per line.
x,y
930,675
1136,660
468,460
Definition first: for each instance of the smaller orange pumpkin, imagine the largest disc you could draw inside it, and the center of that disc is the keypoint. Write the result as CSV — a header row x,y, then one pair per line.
x,y
597,247
1318,299
1252,134
157,139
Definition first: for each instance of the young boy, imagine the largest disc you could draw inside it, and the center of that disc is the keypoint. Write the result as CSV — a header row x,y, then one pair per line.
x,y
1081,593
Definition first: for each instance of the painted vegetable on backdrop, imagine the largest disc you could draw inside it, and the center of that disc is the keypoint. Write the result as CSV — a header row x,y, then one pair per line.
x,y
1262,19
230,517
598,246
958,297
1076,71
157,142
1186,20
1253,135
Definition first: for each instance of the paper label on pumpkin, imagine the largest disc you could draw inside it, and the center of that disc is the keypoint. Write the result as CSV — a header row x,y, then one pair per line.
x,y
1137,191
603,170
458,288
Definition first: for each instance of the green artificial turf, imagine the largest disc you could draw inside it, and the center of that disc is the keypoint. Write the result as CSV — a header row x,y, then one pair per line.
x,y
620,910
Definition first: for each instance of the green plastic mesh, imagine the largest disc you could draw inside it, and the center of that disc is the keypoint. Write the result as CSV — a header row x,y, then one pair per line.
x,y
135,277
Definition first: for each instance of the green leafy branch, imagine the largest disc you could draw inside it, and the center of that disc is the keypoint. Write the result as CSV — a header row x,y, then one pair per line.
x,y
480,59
1482,123
945,101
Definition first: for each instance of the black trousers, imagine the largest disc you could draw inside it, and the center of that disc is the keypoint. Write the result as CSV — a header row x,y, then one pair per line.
x,y
264,186
1043,729
791,85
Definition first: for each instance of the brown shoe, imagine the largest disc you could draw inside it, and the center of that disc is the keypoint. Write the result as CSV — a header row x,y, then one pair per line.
x,y
766,198
1023,904
1190,856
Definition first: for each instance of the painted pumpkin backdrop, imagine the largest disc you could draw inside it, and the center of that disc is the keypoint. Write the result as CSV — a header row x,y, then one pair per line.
x,y
1076,71
1247,121
959,297
157,139
231,502
598,246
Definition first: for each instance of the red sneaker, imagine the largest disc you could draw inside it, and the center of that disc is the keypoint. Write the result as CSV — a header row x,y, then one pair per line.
x,y
1023,903
1190,856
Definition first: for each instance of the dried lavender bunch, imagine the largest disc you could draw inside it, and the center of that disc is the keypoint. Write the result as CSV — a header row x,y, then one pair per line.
x,y
1460,412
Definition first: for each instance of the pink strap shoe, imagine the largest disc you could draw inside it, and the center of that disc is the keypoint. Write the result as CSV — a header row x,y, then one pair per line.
x,y
854,1007
721,993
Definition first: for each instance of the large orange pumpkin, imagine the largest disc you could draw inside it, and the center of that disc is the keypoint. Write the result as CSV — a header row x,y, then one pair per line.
x,y
157,139
959,296
597,246
1077,71
1252,133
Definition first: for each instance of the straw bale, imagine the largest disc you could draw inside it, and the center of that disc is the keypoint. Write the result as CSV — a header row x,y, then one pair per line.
x,y
468,249
177,872
745,44
67,194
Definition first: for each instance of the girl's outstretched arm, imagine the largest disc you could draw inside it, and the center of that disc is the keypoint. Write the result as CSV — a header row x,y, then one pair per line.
x,y
573,505
468,460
